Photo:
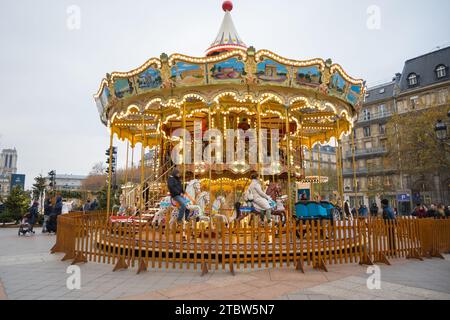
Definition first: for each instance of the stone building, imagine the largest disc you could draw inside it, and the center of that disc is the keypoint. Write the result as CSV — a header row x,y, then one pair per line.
x,y
424,83
8,166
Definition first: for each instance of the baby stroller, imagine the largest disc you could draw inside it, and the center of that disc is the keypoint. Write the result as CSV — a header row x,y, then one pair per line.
x,y
25,227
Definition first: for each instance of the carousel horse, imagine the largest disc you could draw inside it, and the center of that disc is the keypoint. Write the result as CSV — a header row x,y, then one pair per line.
x,y
216,215
196,209
274,191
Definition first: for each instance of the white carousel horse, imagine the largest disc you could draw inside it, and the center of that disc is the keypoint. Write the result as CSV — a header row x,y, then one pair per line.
x,y
215,214
195,204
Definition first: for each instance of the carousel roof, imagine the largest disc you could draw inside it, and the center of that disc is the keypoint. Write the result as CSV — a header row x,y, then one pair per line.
x,y
227,37
321,98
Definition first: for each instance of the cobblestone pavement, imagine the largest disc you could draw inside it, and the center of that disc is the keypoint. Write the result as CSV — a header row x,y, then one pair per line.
x,y
28,271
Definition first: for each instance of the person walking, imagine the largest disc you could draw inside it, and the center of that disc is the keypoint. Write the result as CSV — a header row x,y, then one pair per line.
x,y
94,205
362,211
176,192
87,206
48,208
34,214
388,216
374,210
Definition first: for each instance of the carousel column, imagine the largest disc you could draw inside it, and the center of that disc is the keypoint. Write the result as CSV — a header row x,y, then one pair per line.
x,y
126,164
288,142
184,142
259,137
210,158
355,182
339,165
108,196
311,169
142,168
318,174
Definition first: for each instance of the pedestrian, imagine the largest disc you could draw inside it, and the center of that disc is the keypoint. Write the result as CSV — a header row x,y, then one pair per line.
x,y
362,211
94,205
34,214
447,211
388,217
440,211
420,211
87,206
57,210
374,209
176,192
432,212
48,208
347,211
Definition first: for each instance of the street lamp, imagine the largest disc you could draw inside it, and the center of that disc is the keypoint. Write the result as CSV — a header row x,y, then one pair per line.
x,y
441,130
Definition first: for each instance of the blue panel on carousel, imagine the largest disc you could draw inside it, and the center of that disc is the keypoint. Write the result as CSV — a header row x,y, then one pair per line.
x,y
271,71
231,70
301,211
308,76
188,74
123,88
149,79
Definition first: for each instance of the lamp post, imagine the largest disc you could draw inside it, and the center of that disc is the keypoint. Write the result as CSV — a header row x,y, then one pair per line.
x,y
441,130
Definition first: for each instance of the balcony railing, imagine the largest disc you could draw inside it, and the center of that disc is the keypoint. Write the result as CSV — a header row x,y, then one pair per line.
x,y
374,116
367,152
369,171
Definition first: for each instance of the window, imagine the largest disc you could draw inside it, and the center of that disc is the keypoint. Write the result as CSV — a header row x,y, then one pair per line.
x,y
382,110
366,132
412,80
382,129
441,71
442,96
366,114
382,90
414,101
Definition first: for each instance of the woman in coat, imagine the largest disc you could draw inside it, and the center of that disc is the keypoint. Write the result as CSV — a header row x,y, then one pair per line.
x,y
261,201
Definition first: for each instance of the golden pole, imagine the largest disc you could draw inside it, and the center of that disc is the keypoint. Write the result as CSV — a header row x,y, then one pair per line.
x,y
355,182
142,166
258,137
318,173
288,139
311,168
210,159
339,160
126,165
108,196
184,143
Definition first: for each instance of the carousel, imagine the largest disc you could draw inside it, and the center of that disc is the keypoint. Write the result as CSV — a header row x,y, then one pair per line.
x,y
222,118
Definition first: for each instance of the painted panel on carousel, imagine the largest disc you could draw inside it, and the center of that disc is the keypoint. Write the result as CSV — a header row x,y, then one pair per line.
x,y
308,76
231,70
148,80
188,74
124,88
337,85
105,97
354,94
273,72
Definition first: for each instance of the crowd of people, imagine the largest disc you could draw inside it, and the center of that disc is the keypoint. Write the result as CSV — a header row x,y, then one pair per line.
x,y
420,211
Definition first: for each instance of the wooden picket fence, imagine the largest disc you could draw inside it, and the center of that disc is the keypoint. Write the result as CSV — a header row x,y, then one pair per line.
x,y
208,246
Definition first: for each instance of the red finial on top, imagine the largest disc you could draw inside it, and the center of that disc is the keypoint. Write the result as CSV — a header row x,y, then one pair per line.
x,y
227,6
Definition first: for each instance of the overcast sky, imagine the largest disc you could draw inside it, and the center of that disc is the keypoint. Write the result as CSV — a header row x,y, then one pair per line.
x,y
49,73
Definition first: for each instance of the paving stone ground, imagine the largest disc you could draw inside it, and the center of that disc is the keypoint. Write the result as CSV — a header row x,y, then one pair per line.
x,y
29,272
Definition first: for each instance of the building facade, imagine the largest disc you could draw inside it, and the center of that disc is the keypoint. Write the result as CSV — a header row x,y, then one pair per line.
x,y
8,166
69,182
424,83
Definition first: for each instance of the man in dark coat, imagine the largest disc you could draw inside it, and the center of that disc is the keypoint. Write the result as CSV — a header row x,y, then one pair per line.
x,y
374,210
48,208
176,192
34,213
57,210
